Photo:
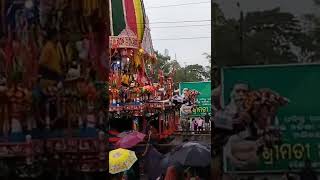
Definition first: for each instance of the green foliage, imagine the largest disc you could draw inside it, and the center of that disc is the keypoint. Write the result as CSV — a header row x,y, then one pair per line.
x,y
269,37
190,73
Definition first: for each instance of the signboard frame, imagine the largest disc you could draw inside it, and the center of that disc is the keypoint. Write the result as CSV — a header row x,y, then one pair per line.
x,y
181,87
317,65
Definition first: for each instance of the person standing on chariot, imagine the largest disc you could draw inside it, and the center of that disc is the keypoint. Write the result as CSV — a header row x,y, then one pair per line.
x,y
72,95
17,96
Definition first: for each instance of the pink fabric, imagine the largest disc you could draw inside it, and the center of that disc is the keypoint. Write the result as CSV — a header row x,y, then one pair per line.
x,y
130,140
200,122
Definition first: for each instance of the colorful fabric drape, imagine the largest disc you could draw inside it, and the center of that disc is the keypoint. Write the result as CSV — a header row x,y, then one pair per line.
x,y
128,14
118,17
139,17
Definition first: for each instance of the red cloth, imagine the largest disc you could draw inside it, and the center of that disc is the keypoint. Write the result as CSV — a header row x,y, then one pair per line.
x,y
113,139
171,173
113,132
154,134
161,77
131,16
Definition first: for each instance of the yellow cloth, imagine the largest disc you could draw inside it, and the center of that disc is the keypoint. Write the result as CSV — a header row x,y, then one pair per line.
x,y
61,54
69,53
51,58
137,60
139,18
125,79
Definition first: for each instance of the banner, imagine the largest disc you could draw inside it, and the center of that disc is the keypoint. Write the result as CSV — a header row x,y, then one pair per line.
x,y
202,103
298,120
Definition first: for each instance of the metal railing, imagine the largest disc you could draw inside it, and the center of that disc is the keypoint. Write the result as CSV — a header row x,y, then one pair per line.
x,y
192,132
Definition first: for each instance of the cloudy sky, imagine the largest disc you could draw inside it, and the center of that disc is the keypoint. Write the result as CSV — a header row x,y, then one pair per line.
x,y
187,51
190,51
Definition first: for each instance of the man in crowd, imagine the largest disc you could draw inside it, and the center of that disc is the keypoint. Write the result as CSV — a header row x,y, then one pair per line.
x,y
200,123
207,121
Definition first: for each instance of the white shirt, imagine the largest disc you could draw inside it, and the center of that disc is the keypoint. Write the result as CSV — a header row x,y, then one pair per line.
x,y
16,126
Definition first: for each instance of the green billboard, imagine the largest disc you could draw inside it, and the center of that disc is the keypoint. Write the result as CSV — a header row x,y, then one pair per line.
x,y
203,101
298,121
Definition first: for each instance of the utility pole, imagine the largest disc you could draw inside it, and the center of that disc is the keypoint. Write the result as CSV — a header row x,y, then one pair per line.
x,y
185,71
241,35
241,32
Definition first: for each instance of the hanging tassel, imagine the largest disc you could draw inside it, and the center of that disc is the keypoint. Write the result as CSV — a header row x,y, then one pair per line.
x,y
136,60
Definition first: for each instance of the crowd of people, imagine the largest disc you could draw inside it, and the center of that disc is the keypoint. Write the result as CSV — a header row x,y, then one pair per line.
x,y
196,124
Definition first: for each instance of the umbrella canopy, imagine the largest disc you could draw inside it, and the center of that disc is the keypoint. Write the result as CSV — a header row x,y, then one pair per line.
x,y
166,162
123,134
121,160
130,140
152,163
192,154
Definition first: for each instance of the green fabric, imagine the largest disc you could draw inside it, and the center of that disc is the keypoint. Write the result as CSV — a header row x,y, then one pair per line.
x,y
119,22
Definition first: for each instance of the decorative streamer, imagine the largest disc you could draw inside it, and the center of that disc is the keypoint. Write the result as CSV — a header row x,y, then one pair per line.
x,y
119,23
139,19
111,18
131,16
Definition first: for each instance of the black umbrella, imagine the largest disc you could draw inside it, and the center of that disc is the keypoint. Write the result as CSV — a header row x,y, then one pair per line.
x,y
190,143
192,154
152,163
166,162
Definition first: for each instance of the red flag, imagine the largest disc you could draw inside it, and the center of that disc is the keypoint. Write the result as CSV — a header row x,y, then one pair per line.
x,y
161,77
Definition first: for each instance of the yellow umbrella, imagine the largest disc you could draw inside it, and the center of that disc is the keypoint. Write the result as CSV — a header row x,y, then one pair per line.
x,y
121,160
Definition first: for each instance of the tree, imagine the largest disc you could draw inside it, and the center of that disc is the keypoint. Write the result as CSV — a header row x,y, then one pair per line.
x,y
192,73
270,37
189,73
208,68
208,56
312,38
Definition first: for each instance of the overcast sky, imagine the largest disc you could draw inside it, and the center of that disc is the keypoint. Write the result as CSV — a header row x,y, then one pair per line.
x,y
187,51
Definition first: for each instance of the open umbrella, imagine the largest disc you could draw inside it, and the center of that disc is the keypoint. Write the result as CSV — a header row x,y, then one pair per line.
x,y
166,162
121,160
152,163
130,140
192,154
123,134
